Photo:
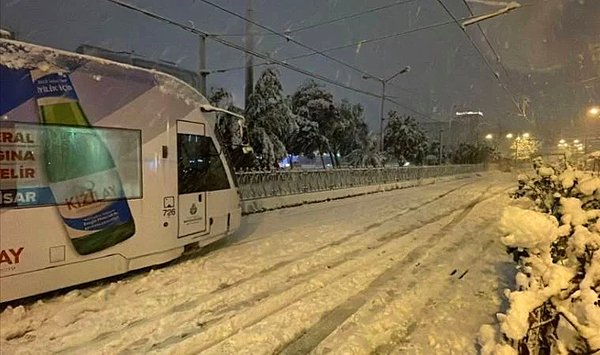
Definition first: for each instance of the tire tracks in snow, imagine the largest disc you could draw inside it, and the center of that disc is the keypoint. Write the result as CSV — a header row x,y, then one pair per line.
x,y
335,317
404,299
379,223
224,309
242,322
227,308
191,304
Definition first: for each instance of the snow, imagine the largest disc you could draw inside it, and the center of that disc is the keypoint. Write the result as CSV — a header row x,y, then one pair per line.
x,y
589,186
13,56
516,322
407,270
546,172
567,178
572,212
488,341
581,239
558,274
22,55
527,229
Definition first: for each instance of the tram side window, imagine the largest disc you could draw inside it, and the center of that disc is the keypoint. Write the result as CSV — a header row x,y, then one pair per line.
x,y
200,167
43,165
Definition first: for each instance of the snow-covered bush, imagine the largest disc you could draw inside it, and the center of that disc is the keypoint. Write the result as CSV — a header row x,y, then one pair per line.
x,y
554,237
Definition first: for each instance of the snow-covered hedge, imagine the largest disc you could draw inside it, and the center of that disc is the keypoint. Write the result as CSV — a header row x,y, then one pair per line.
x,y
553,233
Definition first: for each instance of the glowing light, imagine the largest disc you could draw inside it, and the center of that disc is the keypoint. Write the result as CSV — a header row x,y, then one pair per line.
x,y
576,141
469,113
594,110
489,136
525,135
509,136
562,141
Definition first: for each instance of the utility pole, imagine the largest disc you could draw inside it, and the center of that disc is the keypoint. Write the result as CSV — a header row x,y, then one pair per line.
x,y
441,147
249,57
202,64
381,115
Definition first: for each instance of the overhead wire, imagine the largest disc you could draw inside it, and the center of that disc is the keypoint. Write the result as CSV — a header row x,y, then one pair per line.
x,y
498,58
353,44
259,54
487,63
241,48
290,39
327,22
487,40
287,37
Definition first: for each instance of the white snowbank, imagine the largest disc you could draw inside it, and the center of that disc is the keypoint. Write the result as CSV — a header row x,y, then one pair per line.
x,y
572,212
527,229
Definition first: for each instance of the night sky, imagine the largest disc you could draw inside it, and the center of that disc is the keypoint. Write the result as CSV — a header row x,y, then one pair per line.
x,y
546,48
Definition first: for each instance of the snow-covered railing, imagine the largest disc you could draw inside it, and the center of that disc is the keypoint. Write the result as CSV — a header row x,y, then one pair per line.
x,y
261,184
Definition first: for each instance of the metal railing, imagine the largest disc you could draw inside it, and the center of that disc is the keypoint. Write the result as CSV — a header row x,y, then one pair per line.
x,y
262,184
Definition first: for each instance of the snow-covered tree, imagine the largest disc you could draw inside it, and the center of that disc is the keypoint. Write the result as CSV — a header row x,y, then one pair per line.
x,y
368,154
555,239
404,139
270,119
350,130
523,148
467,153
307,139
313,103
433,153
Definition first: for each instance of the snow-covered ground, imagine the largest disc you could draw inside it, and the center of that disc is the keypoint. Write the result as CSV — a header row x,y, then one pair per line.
x,y
413,271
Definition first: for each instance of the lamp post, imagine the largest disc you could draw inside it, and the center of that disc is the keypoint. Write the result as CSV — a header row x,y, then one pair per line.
x,y
383,84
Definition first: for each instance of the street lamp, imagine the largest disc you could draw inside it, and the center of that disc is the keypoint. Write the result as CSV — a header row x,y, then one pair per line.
x,y
520,138
383,82
489,136
594,110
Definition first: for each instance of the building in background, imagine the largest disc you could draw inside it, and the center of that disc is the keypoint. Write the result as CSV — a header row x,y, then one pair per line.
x,y
190,77
460,129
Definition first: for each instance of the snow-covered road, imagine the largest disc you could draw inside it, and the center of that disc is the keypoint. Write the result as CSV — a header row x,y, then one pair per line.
x,y
409,271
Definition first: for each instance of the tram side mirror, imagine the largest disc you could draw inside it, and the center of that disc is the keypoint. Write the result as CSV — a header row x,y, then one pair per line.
x,y
246,148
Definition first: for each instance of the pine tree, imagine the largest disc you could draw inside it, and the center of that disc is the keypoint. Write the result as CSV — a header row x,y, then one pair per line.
x,y
270,119
350,130
368,154
404,139
467,153
311,102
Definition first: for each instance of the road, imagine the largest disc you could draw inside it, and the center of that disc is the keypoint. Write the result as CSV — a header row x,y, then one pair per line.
x,y
413,271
